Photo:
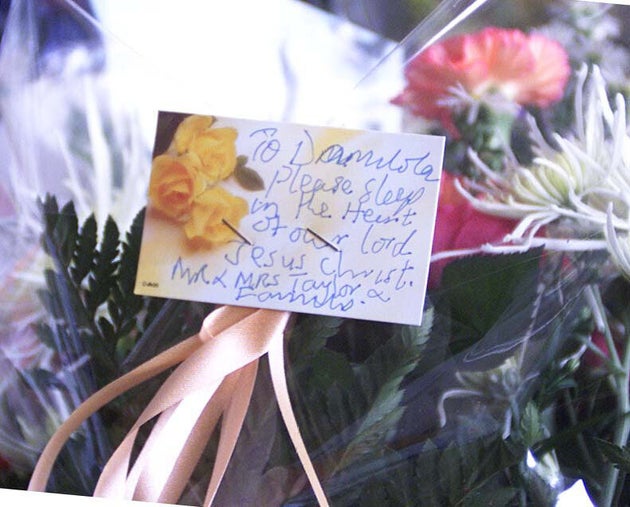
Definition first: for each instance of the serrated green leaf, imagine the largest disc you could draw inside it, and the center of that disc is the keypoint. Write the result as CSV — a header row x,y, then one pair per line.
x,y
130,255
309,335
85,252
107,330
102,279
617,299
65,233
618,456
114,311
397,356
531,426
60,231
380,378
108,250
330,367
496,498
475,291
50,211
248,178
450,463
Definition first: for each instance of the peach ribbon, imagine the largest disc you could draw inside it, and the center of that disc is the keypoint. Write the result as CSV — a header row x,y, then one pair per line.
x,y
214,381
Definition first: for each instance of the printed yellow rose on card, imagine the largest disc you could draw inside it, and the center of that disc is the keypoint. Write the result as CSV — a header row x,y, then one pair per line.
x,y
290,217
186,181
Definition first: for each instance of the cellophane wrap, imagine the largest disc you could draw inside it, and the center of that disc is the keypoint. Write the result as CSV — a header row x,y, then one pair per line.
x,y
513,391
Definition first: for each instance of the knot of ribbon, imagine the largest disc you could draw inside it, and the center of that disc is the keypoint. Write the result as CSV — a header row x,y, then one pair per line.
x,y
213,382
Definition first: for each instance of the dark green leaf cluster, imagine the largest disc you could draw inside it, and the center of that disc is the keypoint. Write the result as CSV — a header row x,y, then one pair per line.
x,y
99,328
362,391
88,290
346,380
486,308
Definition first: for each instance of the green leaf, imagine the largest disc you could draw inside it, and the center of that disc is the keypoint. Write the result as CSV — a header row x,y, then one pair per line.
x,y
475,291
531,426
397,356
380,377
50,211
107,330
85,252
60,231
618,456
65,233
130,255
330,367
309,335
617,299
102,278
495,498
248,178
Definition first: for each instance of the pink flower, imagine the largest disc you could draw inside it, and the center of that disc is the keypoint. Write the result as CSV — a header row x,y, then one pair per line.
x,y
460,226
525,69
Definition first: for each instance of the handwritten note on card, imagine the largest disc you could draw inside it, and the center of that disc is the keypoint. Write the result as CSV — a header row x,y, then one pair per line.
x,y
290,217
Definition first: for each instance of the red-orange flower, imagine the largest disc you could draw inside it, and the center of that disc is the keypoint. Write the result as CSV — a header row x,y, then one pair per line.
x,y
525,69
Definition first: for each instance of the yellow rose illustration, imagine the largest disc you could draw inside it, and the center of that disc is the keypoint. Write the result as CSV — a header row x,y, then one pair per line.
x,y
173,186
217,150
188,129
205,227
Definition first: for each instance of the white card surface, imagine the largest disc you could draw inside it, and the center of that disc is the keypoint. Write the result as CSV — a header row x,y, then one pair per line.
x,y
290,217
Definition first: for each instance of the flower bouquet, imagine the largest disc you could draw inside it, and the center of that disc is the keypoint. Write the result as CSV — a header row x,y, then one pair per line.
x,y
516,384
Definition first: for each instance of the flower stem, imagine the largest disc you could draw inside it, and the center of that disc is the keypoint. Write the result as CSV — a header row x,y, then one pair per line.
x,y
586,455
621,377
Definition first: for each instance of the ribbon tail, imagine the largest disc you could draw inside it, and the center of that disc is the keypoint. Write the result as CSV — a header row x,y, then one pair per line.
x,y
231,341
215,379
231,426
153,367
151,475
279,381
159,431
112,482
214,357
191,453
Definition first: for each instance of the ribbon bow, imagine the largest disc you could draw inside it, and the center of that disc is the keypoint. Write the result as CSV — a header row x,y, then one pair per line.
x,y
214,381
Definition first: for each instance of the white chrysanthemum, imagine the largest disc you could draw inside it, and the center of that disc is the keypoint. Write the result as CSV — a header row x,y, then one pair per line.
x,y
576,181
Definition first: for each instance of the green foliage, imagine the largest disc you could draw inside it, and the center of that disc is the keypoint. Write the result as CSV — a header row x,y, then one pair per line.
x,y
96,324
381,377
477,472
617,455
347,387
347,380
531,426
477,290
247,177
